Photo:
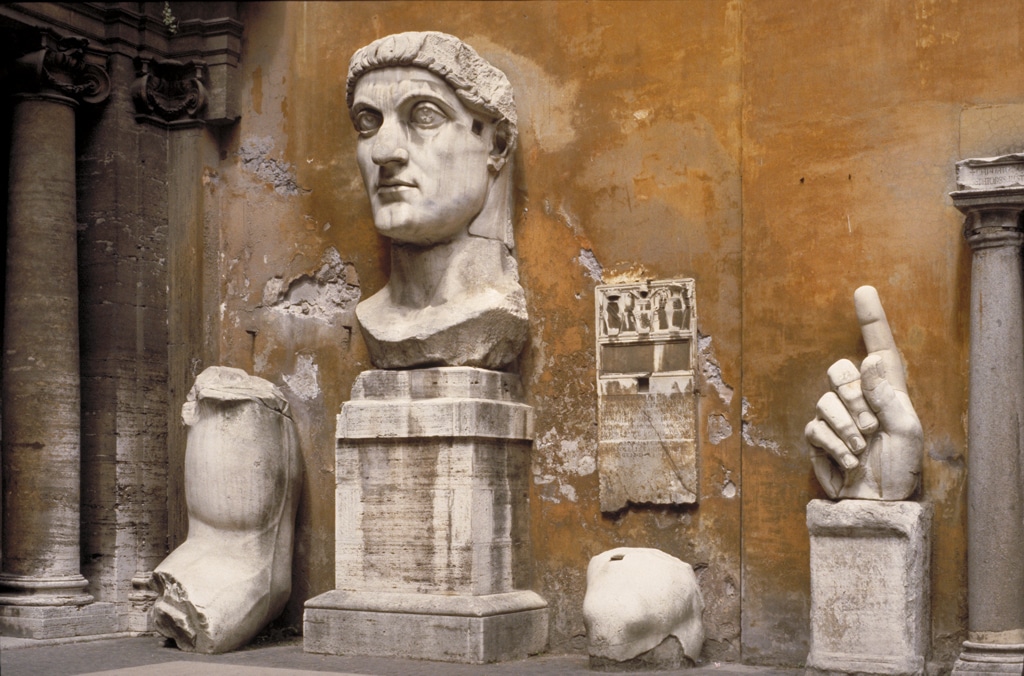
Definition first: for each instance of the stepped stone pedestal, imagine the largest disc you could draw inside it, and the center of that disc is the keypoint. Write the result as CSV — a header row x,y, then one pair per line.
x,y
869,587
431,522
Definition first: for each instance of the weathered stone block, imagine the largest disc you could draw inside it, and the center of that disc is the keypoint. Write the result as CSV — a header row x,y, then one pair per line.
x,y
431,484
431,521
869,586
473,629
49,622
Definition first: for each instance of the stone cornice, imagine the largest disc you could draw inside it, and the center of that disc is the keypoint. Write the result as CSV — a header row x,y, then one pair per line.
x,y
122,30
208,47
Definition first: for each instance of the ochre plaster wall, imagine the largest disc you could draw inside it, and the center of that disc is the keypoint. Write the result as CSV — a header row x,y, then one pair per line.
x,y
853,118
779,153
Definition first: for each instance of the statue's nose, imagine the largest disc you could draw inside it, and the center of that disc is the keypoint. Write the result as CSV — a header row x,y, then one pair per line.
x,y
389,144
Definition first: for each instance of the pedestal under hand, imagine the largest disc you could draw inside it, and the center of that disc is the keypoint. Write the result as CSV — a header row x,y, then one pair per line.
x,y
870,605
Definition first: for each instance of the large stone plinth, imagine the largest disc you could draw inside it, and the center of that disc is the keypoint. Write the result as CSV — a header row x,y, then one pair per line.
x,y
869,586
431,524
471,629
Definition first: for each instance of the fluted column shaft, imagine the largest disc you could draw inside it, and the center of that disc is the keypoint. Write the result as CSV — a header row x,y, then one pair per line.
x,y
995,492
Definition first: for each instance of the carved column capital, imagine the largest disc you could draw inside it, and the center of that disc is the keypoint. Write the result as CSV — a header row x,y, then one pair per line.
x,y
169,90
52,65
991,194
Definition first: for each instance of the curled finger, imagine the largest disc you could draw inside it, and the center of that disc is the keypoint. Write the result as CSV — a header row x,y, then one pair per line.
x,y
832,410
844,377
821,435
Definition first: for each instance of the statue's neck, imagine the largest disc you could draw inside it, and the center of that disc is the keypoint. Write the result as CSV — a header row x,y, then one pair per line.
x,y
435,275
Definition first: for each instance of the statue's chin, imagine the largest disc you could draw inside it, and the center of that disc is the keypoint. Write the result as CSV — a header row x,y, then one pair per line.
x,y
405,224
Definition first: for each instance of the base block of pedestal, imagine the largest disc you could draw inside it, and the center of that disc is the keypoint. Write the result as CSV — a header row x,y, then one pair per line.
x,y
990,658
468,629
46,622
869,587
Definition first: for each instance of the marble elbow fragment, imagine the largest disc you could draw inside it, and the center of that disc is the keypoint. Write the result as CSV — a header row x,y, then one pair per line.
x,y
232,575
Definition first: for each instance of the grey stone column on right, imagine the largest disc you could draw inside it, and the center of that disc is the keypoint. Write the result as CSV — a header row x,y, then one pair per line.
x,y
991,194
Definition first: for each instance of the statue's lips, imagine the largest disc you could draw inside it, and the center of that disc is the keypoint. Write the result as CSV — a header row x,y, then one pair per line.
x,y
392,189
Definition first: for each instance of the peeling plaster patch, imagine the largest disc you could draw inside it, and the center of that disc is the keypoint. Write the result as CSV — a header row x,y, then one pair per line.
x,y
566,455
719,428
752,437
710,369
548,488
331,291
568,491
632,276
590,263
254,152
729,488
304,382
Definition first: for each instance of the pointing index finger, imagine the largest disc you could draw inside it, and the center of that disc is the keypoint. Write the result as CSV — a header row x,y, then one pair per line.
x,y
874,327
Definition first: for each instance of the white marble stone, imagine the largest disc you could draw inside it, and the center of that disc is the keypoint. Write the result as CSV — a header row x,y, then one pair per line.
x,y
638,597
869,586
867,441
990,173
437,131
243,473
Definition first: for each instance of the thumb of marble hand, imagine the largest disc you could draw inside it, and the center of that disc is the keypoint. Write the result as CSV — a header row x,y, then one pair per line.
x,y
880,395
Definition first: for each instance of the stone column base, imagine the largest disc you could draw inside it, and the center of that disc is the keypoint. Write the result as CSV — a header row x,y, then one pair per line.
x,y
990,658
46,622
869,587
469,629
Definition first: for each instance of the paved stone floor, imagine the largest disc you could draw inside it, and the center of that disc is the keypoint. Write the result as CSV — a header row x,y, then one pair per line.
x,y
149,656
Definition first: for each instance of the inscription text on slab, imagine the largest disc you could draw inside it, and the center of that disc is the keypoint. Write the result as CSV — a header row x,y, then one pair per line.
x,y
647,440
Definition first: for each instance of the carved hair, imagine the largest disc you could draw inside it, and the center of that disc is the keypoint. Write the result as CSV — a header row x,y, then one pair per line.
x,y
477,83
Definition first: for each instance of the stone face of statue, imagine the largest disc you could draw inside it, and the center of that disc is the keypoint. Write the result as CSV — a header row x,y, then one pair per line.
x,y
427,161
437,127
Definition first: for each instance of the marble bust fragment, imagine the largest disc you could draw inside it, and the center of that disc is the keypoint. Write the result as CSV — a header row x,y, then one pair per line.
x,y
243,475
867,441
639,600
437,131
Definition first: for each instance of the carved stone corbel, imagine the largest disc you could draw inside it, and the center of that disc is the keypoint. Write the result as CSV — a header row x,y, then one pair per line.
x,y
169,90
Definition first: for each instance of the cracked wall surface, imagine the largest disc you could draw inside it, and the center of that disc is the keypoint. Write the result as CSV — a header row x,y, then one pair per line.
x,y
657,140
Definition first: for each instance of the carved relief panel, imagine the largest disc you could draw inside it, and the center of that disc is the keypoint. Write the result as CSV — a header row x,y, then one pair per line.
x,y
647,407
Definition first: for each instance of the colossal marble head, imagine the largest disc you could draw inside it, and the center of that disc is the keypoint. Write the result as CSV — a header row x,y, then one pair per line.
x,y
437,127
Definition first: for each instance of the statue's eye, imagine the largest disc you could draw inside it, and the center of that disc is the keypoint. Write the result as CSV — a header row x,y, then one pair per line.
x,y
368,120
426,115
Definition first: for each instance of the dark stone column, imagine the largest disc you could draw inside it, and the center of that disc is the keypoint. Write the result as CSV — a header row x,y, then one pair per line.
x,y
41,582
992,196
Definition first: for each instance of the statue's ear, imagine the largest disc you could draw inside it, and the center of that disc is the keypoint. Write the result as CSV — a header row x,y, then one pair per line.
x,y
502,146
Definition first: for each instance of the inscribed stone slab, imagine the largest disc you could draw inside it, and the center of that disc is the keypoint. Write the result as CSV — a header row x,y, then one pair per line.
x,y
647,408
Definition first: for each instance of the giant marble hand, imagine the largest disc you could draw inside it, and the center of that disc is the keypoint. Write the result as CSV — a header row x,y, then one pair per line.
x,y
866,437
